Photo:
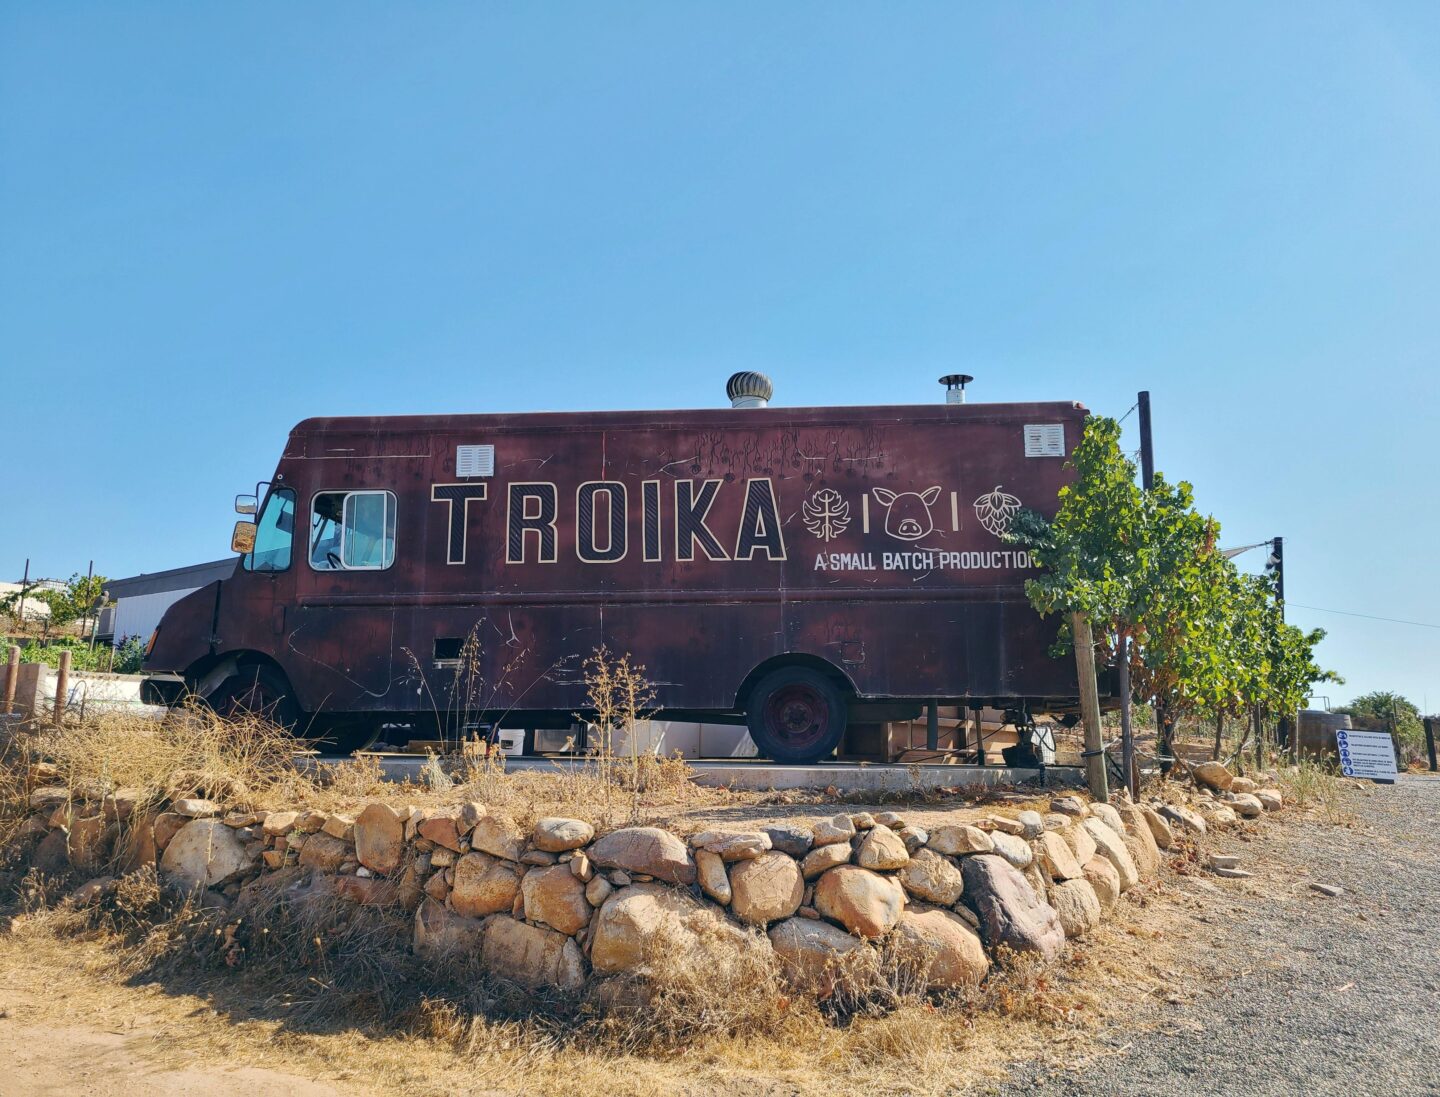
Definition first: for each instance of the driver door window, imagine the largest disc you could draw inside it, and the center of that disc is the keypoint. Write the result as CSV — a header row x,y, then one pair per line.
x,y
274,533
352,530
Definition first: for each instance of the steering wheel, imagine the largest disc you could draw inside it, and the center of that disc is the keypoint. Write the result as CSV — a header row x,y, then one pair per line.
x,y
333,561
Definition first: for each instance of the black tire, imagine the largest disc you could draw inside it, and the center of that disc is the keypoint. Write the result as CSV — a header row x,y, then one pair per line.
x,y
257,691
342,735
796,715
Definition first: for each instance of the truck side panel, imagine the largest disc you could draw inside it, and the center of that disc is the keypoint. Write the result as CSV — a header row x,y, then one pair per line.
x,y
702,543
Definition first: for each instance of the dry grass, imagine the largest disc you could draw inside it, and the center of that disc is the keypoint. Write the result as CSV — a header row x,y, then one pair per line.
x,y
250,764
462,1039
330,983
1318,787
191,752
14,785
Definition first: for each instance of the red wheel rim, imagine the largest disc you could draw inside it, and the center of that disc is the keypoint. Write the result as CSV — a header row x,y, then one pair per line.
x,y
797,715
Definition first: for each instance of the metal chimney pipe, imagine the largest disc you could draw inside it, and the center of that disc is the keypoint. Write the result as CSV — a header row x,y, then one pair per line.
x,y
748,389
955,387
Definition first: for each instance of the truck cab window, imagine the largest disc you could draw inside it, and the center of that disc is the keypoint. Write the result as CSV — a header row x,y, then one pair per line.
x,y
274,533
352,530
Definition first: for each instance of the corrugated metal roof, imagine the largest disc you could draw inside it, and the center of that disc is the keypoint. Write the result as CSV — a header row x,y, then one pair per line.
x,y
187,578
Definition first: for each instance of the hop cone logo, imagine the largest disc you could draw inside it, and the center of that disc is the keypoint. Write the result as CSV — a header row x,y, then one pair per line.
x,y
827,515
995,510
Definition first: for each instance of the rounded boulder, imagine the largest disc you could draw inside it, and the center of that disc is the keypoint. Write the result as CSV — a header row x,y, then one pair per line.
x,y
204,853
484,885
1112,847
646,850
641,919
882,848
819,958
765,888
555,835
864,902
1010,912
1100,874
379,838
556,897
930,877
1077,905
941,948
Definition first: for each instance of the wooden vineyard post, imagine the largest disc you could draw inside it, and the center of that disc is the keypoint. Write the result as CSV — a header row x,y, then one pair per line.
x,y
62,686
12,676
1127,730
1090,707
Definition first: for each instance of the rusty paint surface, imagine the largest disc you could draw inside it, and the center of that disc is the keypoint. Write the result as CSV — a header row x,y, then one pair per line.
x,y
885,559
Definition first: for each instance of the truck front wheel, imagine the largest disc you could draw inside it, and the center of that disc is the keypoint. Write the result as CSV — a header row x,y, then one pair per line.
x,y
256,691
796,715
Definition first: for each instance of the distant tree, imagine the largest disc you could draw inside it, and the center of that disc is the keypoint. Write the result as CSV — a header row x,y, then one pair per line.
x,y
81,596
1143,568
1392,709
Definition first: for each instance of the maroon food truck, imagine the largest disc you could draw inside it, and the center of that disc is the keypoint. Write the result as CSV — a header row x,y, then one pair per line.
x,y
795,568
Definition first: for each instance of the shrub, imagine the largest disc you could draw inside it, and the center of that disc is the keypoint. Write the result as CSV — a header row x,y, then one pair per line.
x,y
130,655
81,655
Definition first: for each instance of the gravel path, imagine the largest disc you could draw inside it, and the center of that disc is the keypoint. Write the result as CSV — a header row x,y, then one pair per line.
x,y
1299,993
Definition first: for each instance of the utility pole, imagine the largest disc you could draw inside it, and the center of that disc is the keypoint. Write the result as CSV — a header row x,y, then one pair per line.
x,y
1127,731
1147,449
24,584
89,575
1277,564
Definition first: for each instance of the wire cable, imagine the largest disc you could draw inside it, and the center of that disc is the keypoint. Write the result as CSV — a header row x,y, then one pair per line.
x,y
1367,616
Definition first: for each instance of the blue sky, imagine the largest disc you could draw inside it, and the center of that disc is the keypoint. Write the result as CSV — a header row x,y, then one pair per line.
x,y
217,219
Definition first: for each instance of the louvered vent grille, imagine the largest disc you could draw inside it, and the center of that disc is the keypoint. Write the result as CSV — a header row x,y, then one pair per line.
x,y
1044,440
474,461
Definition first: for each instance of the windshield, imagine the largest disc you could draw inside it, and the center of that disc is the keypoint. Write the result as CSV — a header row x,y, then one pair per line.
x,y
274,533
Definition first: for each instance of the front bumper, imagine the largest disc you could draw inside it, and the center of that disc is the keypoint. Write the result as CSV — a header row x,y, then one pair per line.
x,y
162,689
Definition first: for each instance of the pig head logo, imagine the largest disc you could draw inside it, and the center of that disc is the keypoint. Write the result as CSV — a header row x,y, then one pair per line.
x,y
907,513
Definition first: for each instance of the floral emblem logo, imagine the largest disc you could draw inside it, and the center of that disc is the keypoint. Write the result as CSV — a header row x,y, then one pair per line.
x,y
827,515
996,510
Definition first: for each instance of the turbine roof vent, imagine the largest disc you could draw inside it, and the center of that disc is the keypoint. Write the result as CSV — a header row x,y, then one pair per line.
x,y
748,389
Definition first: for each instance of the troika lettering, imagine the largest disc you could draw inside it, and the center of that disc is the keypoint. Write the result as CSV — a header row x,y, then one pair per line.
x,y
681,523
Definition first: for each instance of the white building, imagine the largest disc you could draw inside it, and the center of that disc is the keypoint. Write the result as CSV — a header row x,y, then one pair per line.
x,y
35,610
141,600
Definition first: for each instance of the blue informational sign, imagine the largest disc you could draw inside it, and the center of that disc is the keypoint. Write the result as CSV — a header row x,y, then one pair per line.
x,y
1367,755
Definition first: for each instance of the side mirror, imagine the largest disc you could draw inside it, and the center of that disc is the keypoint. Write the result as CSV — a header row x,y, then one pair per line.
x,y
246,504
243,539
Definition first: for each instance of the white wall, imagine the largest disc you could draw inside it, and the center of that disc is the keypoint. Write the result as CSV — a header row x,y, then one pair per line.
x,y
665,737
35,610
139,614
93,692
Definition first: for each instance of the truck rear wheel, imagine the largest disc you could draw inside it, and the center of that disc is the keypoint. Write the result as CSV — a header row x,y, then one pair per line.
x,y
344,736
797,715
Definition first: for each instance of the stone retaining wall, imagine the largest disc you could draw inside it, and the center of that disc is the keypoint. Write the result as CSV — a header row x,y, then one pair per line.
x,y
555,906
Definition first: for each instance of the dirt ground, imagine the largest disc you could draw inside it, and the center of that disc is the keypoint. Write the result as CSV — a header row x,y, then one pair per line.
x,y
1295,991
1191,975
